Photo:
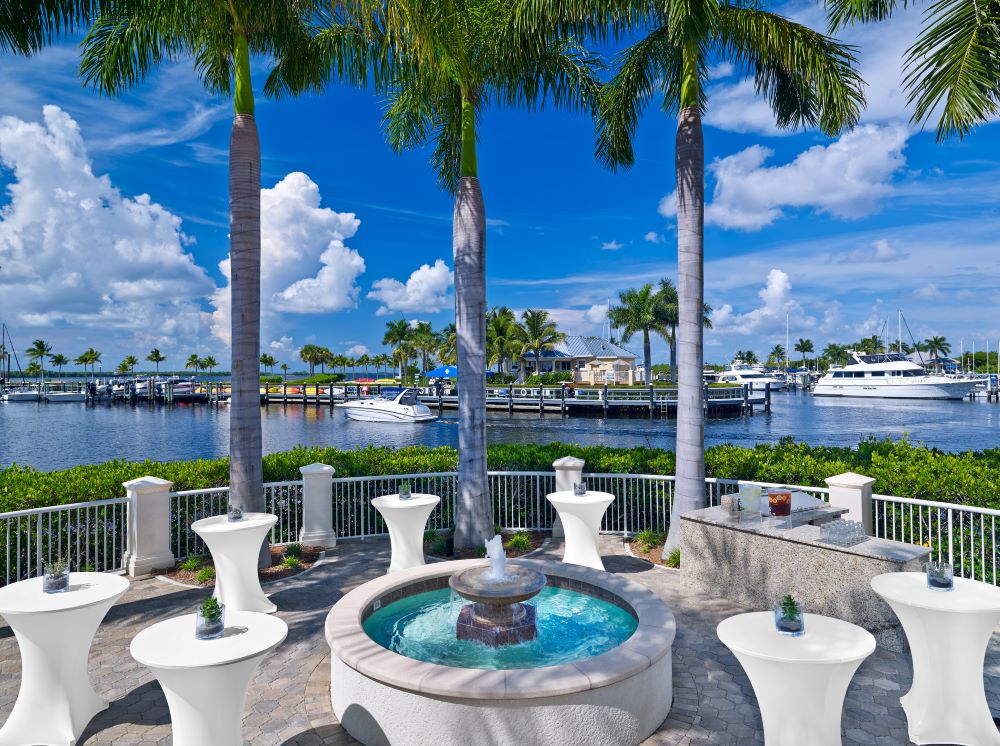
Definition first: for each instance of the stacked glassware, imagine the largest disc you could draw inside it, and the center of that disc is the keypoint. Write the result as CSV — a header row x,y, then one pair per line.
x,y
842,532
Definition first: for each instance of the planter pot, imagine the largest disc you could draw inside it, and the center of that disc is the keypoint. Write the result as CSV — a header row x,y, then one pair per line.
x,y
792,625
940,576
55,582
210,629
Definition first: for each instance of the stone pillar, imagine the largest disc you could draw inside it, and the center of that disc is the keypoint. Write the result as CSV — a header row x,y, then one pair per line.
x,y
569,471
148,545
317,506
854,492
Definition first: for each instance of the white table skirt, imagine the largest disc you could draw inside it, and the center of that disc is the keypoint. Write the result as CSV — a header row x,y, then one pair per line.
x,y
406,520
54,633
948,632
800,682
581,520
235,548
206,681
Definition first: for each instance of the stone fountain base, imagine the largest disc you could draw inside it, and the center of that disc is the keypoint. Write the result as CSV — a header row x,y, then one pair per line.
x,y
496,625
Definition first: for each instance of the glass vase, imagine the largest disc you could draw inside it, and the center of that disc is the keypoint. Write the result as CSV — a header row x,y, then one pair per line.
x,y
792,625
235,512
580,489
404,492
940,576
55,580
210,629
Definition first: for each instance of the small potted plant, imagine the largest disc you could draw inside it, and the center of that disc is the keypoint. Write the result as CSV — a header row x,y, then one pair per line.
x,y
210,621
404,491
940,576
580,489
56,576
788,617
235,512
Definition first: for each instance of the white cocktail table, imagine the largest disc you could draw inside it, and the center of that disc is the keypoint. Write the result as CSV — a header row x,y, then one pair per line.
x,y
235,548
581,520
54,632
406,520
948,632
800,682
206,681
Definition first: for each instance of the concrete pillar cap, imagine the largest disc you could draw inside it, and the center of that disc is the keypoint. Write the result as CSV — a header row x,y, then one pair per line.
x,y
849,479
568,462
311,470
147,484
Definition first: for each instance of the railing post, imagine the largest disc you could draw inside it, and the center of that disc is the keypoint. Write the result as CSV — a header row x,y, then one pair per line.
x,y
569,471
317,506
854,492
148,521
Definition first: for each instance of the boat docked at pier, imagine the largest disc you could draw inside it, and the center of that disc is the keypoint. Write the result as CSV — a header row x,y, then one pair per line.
x,y
890,375
403,406
755,377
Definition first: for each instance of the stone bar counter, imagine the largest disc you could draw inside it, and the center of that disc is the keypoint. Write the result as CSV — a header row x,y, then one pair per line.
x,y
755,563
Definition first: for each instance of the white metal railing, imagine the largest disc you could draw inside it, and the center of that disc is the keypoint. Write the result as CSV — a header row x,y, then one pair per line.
x,y
964,535
89,535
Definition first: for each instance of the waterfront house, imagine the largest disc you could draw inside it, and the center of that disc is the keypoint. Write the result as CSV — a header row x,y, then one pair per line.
x,y
592,361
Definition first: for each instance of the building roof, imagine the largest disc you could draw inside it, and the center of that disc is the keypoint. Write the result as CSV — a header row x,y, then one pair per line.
x,y
575,346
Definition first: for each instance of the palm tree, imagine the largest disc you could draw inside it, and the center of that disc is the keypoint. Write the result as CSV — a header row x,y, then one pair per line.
x,y
312,355
284,370
364,361
776,355
193,363
156,357
122,368
424,342
268,361
38,352
808,79
536,334
937,346
669,306
448,60
59,360
835,353
34,370
447,351
501,338
804,347
130,362
82,359
130,38
639,311
397,334
952,65
210,364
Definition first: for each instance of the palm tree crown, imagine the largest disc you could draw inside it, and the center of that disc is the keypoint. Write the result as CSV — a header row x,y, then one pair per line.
x,y
537,334
640,311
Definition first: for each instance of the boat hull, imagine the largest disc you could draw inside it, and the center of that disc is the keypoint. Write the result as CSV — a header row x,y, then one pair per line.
x,y
362,413
943,390
59,397
13,396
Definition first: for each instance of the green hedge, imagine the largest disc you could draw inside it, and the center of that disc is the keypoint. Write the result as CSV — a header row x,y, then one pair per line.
x,y
903,469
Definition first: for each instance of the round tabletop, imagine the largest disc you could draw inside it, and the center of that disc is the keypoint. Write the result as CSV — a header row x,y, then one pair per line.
x,y
568,496
85,589
417,500
910,588
172,644
825,640
218,524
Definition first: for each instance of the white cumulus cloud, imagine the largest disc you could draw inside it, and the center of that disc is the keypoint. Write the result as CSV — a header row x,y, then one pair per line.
x,y
76,253
653,237
612,245
298,237
776,301
357,350
426,290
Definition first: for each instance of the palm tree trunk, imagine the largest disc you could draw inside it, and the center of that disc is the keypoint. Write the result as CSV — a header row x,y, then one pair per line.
x,y
474,516
647,358
246,477
673,356
689,491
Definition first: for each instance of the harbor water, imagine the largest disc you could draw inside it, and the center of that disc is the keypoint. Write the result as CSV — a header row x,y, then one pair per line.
x,y
58,436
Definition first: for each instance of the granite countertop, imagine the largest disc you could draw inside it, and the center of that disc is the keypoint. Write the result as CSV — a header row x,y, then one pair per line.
x,y
884,549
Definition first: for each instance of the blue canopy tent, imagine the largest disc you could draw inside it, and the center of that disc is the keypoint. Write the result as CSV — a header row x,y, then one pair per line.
x,y
445,371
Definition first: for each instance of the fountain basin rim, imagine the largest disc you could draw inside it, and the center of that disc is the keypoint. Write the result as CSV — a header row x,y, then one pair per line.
x,y
531,581
652,640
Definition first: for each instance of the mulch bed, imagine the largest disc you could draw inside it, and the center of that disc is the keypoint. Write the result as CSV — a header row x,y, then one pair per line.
x,y
653,555
309,557
536,539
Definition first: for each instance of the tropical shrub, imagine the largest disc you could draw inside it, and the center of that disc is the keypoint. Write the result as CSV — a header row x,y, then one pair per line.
x,y
520,542
673,559
293,550
204,575
549,379
292,563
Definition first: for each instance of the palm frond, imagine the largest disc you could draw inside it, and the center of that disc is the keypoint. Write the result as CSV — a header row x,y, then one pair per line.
x,y
652,62
447,136
955,61
564,73
842,13
598,19
807,77
28,25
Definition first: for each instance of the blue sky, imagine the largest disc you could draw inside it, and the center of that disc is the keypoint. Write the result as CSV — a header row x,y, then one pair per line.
x,y
114,217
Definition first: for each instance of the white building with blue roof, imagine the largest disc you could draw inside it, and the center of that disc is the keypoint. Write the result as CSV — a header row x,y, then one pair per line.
x,y
592,361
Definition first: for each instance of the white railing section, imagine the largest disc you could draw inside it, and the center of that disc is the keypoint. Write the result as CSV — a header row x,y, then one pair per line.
x,y
964,535
89,535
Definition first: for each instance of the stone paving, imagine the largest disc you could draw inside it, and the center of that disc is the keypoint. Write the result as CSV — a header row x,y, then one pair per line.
x,y
288,702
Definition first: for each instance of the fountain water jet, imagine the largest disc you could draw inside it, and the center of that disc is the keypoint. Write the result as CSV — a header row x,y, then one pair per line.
x,y
497,615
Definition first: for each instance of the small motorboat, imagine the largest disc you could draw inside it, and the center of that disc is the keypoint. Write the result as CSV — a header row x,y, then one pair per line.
x,y
403,406
20,395
55,397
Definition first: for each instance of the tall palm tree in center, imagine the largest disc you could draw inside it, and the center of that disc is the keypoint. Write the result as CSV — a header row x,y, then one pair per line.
x,y
639,310
442,62
806,77
156,357
38,353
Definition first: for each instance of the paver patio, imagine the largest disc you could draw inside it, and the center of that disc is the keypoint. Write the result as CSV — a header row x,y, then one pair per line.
x,y
288,702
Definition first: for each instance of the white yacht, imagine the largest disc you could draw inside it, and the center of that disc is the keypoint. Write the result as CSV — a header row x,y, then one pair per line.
x,y
403,406
756,377
12,395
890,376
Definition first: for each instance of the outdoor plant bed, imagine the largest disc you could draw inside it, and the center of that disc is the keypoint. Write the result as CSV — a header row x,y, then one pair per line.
x,y
513,547
197,575
649,546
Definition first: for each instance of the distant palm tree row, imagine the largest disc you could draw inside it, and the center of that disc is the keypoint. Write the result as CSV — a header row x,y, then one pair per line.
x,y
839,354
40,351
315,355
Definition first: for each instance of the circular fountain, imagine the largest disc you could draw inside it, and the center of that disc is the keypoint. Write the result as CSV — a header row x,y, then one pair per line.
x,y
594,669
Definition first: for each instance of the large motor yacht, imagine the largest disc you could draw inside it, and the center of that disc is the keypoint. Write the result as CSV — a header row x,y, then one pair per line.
x,y
889,376
403,406
756,377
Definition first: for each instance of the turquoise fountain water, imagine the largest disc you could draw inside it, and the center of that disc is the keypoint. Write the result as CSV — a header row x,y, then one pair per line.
x,y
571,626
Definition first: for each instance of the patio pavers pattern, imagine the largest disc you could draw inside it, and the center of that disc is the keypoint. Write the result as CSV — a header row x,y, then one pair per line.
x,y
288,702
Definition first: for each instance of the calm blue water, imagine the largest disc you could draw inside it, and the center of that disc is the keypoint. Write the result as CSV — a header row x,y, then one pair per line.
x,y
571,626
57,436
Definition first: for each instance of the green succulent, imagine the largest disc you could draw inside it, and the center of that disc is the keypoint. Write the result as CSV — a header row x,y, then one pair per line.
x,y
790,608
211,609
56,567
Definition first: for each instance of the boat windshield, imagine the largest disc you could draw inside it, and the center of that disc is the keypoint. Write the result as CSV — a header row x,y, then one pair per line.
x,y
408,398
890,357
